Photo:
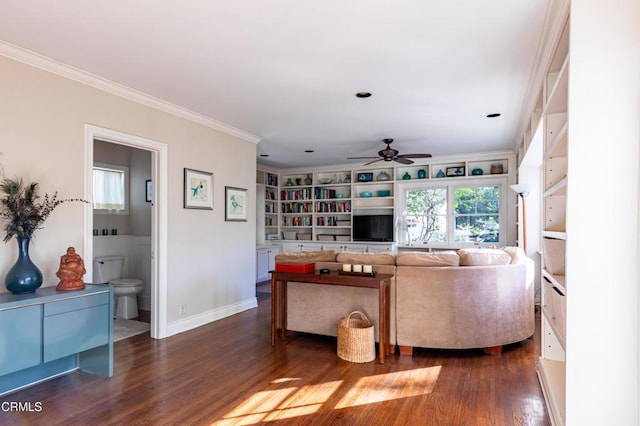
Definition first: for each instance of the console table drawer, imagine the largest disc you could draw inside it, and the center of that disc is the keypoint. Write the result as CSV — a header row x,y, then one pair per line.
x,y
74,304
75,331
22,338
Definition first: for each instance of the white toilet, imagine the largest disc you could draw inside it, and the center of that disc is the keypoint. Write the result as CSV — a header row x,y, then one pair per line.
x,y
108,269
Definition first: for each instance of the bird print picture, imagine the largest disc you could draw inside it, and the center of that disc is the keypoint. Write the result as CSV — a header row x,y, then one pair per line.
x,y
198,189
235,204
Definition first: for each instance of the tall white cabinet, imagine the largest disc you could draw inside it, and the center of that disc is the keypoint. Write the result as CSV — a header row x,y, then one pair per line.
x,y
589,366
551,365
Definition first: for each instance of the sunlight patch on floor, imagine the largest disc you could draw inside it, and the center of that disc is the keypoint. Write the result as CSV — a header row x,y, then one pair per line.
x,y
385,387
293,402
281,404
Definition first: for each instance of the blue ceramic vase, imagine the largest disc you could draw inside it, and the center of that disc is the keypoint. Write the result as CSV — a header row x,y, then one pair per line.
x,y
24,276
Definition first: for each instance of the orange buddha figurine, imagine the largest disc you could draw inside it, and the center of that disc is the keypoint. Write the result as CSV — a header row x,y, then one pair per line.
x,y
71,271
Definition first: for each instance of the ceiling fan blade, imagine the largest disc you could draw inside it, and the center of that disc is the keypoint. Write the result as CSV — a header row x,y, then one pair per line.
x,y
374,161
414,155
402,160
360,158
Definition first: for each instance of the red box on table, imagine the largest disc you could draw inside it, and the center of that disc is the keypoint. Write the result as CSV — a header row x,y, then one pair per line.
x,y
305,268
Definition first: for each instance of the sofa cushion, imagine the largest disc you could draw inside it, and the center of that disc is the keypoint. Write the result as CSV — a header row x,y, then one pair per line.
x,y
483,257
366,258
420,258
516,253
307,256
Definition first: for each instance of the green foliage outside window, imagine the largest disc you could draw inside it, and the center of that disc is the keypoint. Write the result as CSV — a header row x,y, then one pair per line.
x,y
427,213
476,212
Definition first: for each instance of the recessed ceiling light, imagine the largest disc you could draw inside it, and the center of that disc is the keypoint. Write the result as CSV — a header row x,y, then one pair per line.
x,y
363,94
494,115
309,150
264,155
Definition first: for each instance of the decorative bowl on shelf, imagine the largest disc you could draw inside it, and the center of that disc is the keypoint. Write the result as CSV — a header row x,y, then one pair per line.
x,y
384,193
383,176
325,181
366,195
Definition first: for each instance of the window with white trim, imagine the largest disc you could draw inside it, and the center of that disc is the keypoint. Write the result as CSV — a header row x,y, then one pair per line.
x,y
452,213
110,189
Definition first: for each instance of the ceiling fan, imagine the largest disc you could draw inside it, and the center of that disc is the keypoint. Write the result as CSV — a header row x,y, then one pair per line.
x,y
390,154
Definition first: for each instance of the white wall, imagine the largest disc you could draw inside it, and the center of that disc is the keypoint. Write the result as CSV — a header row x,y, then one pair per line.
x,y
602,268
211,266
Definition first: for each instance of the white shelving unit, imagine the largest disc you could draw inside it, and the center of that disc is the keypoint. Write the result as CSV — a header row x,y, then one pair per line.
x,y
318,206
268,196
551,365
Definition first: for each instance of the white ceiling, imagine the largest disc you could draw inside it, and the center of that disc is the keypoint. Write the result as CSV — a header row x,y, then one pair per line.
x,y
287,71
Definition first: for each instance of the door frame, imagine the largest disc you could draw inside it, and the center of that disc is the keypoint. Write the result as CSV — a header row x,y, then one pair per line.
x,y
159,171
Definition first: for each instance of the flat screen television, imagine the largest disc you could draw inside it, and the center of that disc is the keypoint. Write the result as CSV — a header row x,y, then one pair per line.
x,y
373,228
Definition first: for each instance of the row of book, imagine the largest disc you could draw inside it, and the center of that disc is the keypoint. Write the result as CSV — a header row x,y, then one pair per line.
x,y
332,221
324,194
333,207
272,180
296,194
296,221
296,208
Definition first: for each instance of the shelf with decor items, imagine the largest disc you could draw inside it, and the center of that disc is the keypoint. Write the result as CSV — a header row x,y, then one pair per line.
x,y
373,189
551,366
412,172
474,168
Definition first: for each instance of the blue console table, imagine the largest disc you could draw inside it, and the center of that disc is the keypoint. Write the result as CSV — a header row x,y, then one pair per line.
x,y
49,333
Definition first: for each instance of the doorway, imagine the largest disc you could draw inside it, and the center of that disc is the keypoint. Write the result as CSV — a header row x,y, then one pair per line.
x,y
158,205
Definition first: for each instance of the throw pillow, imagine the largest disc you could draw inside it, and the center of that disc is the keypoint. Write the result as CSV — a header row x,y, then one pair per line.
x,y
483,257
435,258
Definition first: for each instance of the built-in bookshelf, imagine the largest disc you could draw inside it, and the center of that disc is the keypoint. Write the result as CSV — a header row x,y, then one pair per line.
x,y
552,364
319,205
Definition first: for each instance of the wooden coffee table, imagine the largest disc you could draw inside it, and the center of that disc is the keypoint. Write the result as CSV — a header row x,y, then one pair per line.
x,y
382,282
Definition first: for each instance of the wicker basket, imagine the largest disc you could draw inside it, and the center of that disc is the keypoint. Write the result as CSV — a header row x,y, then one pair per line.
x,y
356,342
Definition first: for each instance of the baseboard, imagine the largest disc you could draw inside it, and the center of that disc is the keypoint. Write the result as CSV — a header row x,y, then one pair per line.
x,y
195,321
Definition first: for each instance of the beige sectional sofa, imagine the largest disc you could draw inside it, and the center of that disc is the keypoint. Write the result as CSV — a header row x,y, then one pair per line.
x,y
474,298
470,298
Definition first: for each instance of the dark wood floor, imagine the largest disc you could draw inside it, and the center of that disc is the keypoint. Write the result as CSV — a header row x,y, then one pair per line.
x,y
228,373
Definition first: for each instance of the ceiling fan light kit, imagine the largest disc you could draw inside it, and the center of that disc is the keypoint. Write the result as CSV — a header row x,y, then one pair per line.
x,y
390,154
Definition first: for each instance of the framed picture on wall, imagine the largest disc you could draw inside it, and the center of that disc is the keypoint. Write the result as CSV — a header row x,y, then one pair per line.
x,y
235,200
198,189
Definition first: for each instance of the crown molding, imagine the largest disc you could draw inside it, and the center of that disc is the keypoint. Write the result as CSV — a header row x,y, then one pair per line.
x,y
55,67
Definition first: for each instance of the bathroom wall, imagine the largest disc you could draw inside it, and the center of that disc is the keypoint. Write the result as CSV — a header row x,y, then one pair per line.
x,y
134,229
138,221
